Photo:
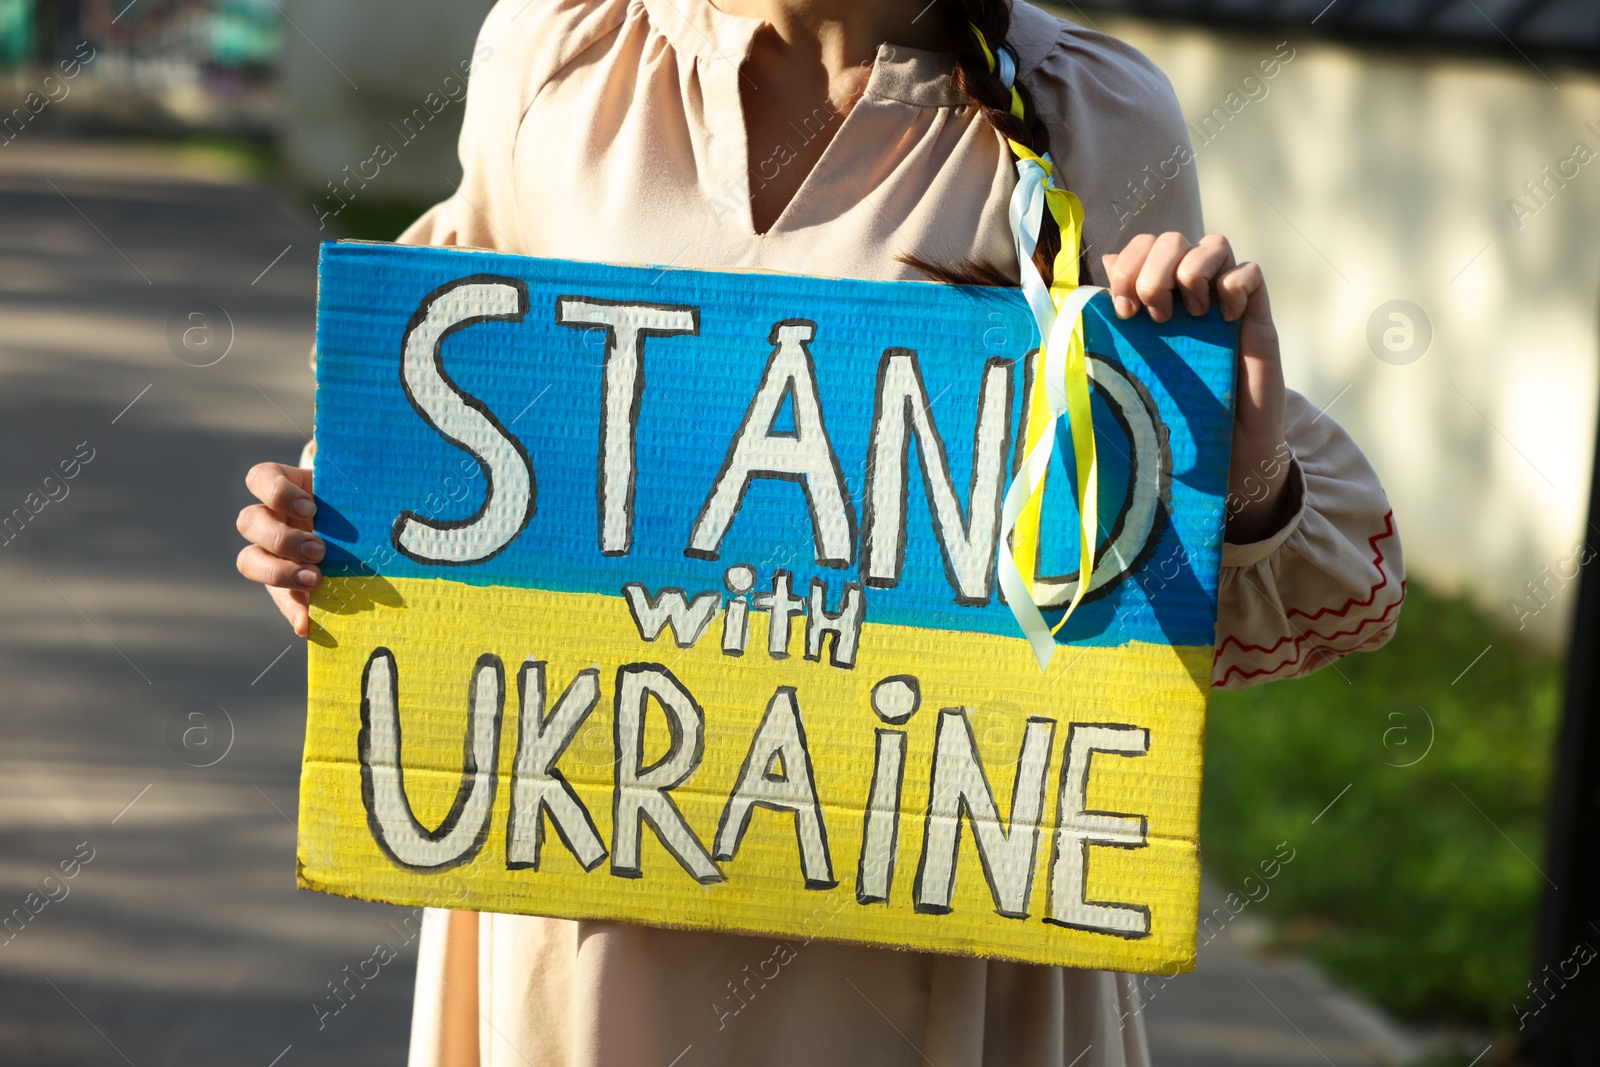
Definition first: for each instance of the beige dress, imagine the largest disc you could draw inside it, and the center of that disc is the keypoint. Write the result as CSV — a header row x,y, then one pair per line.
x,y
612,130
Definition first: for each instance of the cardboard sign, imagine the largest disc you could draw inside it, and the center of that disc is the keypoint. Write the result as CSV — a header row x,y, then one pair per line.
x,y
669,596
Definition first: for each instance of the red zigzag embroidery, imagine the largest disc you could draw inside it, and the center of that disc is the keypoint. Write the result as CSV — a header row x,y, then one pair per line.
x,y
1349,605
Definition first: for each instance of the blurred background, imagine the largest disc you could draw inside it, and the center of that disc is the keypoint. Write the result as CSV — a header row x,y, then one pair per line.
x,y
1421,180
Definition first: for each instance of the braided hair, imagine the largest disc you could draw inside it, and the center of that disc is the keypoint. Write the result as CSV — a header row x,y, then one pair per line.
x,y
977,76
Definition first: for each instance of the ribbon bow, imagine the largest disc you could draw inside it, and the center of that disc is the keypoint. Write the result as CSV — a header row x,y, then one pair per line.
x,y
1061,388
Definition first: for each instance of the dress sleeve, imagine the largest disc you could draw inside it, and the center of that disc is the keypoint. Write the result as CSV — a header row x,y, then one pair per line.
x,y
1329,583
1116,132
478,213
522,45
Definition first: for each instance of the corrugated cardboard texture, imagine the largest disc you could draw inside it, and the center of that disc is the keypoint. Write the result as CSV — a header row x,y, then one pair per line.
x,y
668,596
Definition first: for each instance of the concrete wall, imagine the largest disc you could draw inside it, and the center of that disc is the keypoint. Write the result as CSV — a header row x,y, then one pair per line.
x,y
1359,177
354,71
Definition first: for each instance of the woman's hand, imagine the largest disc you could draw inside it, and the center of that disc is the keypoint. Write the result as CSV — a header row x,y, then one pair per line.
x,y
1146,274
283,552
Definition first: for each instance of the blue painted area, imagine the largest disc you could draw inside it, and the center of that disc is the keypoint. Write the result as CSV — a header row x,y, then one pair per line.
x,y
377,456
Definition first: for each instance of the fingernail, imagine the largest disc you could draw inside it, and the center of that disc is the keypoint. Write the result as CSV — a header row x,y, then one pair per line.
x,y
305,507
308,578
1124,307
1193,306
313,550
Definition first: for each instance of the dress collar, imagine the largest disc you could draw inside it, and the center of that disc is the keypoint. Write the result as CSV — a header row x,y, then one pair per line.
x,y
1034,35
699,28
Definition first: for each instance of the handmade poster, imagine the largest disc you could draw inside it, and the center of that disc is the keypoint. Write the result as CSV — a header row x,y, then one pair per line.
x,y
668,596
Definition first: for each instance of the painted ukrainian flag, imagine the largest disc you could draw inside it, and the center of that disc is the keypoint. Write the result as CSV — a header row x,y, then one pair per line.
x,y
669,596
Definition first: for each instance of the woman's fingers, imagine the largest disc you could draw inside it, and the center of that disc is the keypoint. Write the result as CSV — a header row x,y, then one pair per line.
x,y
1243,290
262,526
259,565
1259,403
1145,274
1150,268
1158,277
284,489
1123,270
294,605
1207,261
283,552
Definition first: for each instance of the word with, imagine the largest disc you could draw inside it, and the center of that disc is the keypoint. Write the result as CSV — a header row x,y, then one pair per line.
x,y
411,126
455,893
758,449
690,618
1143,192
35,102
1580,958
783,953
52,889
1541,593
777,775
1542,191
54,490
1230,909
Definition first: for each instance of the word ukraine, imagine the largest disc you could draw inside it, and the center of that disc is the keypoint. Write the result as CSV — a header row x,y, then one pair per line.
x,y
697,571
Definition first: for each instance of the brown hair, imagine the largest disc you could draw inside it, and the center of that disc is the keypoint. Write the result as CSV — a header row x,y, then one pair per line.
x,y
989,94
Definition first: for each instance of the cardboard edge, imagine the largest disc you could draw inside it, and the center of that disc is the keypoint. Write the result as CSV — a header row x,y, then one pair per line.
x,y
1185,964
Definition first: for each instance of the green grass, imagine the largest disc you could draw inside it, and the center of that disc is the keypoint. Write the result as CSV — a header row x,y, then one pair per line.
x,y
377,220
1418,887
237,157
365,218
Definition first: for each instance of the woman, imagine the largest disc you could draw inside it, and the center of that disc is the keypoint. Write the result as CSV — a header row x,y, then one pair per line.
x,y
869,139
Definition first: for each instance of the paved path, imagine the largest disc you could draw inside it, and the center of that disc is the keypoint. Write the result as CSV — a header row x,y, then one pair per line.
x,y
1244,1008
184,940
129,651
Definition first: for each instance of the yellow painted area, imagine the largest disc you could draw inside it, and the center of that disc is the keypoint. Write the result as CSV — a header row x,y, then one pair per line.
x,y
437,631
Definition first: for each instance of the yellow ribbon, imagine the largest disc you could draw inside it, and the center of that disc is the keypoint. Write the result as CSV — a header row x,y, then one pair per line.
x,y
1061,386
1017,110
1067,210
